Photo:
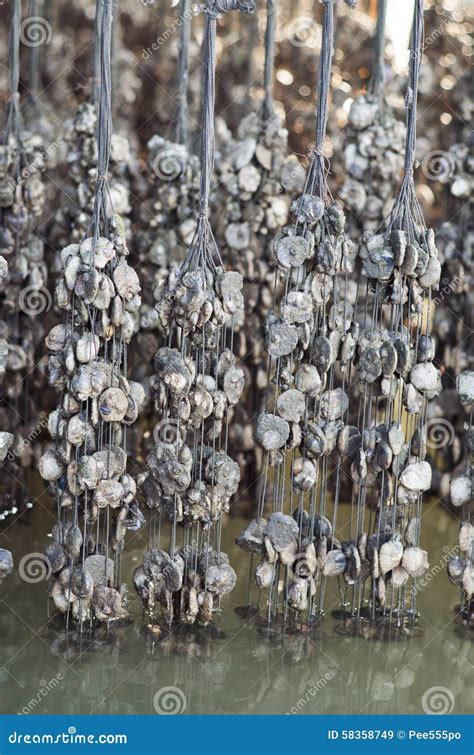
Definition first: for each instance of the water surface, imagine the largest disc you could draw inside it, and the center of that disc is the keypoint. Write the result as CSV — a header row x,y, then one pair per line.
x,y
233,668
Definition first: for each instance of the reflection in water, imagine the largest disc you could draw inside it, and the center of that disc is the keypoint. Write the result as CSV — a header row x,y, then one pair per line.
x,y
236,667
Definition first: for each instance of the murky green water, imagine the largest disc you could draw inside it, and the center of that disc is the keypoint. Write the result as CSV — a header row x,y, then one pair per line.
x,y
237,671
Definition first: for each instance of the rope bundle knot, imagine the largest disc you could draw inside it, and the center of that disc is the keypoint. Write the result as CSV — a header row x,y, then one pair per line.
x,y
214,8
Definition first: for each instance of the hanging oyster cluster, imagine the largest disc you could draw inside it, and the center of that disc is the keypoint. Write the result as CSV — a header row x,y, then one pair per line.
x,y
373,158
384,447
310,333
187,586
86,467
165,220
23,282
190,478
306,333
374,148
394,362
23,270
255,182
72,221
461,493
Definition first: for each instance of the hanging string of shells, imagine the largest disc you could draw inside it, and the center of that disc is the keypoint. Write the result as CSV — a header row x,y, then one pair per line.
x,y
307,332
165,218
23,279
86,467
256,181
461,492
454,316
396,378
190,477
373,153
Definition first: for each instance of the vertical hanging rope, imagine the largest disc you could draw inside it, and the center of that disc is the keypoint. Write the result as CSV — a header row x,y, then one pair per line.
x,y
270,33
13,126
412,92
377,79
34,57
212,9
208,104
182,134
317,176
407,209
104,118
97,52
